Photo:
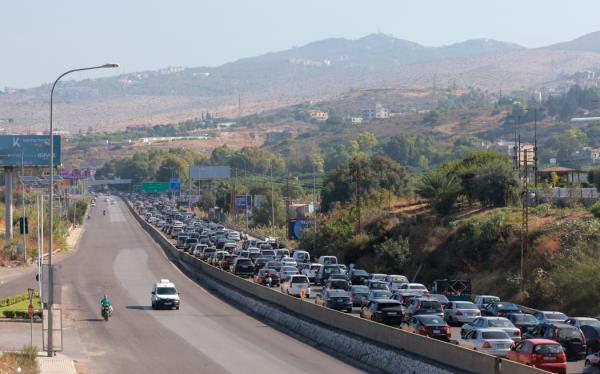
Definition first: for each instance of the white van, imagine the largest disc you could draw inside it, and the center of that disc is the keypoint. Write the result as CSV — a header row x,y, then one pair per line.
x,y
280,253
165,295
301,256
328,260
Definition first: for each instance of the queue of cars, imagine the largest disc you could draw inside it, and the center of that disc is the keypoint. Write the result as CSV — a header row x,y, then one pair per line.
x,y
545,339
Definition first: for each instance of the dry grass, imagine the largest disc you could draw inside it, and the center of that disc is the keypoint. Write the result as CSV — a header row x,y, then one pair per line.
x,y
26,360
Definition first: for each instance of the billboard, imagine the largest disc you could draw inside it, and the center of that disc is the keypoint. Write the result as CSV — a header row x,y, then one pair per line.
x,y
74,173
28,150
210,172
296,228
174,185
243,202
155,187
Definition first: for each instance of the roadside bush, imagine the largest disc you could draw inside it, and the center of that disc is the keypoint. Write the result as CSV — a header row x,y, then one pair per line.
x,y
595,209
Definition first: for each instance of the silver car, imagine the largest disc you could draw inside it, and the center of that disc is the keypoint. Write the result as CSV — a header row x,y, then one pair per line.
x,y
492,322
459,312
495,342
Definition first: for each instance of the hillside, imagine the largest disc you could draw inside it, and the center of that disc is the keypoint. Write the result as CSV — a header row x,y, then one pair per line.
x,y
315,71
588,43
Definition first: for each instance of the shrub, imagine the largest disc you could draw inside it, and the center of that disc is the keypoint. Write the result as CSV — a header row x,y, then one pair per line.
x,y
595,209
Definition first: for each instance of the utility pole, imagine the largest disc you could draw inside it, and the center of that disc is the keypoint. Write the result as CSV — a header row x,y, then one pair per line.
x,y
24,228
272,204
314,209
525,223
287,203
358,225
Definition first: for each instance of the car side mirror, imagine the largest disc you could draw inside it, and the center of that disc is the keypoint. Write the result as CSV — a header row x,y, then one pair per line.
x,y
152,292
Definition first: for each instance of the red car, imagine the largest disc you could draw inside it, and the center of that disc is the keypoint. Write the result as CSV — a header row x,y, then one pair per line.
x,y
541,353
261,277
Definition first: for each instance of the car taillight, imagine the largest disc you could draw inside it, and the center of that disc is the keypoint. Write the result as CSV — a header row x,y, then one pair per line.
x,y
501,314
486,345
561,357
535,357
423,330
459,313
517,333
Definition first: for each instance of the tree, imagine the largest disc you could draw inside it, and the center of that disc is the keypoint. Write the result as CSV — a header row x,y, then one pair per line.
x,y
392,255
263,215
441,189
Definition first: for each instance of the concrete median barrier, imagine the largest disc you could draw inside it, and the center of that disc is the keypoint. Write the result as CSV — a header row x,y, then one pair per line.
x,y
432,351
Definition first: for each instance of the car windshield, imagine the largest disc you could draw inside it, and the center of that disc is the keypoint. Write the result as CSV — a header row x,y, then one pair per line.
x,y
589,322
359,273
378,285
494,335
500,323
382,294
487,300
398,279
166,291
524,318
548,348
466,306
417,287
431,305
299,280
440,298
569,333
433,320
360,289
332,270
506,306
337,293
244,261
556,316
388,305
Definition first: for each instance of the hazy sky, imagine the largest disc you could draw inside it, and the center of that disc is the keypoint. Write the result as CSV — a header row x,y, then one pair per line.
x,y
42,38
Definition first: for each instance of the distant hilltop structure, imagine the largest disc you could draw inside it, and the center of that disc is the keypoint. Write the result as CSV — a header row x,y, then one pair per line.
x,y
377,111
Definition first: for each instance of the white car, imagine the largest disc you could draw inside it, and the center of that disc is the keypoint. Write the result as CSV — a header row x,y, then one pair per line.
x,y
294,284
395,281
495,342
312,271
417,288
288,261
499,323
165,295
287,270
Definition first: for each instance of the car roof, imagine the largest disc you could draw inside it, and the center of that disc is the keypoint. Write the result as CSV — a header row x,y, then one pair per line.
x,y
386,301
559,324
488,329
541,341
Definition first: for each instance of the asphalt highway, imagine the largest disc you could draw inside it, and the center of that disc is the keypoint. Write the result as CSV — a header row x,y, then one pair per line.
x,y
206,335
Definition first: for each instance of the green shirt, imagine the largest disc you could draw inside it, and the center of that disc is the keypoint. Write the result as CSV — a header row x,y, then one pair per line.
x,y
105,301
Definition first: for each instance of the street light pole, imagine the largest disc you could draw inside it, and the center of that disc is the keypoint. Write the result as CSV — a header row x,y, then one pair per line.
x,y
51,203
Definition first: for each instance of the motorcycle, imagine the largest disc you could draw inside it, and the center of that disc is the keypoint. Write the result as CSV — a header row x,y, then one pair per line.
x,y
269,282
104,212
105,312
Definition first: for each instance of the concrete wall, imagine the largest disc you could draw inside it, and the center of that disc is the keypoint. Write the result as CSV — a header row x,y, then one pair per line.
x,y
431,350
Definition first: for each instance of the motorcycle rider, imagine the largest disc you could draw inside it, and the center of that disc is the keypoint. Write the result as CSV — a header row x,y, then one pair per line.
x,y
105,302
104,212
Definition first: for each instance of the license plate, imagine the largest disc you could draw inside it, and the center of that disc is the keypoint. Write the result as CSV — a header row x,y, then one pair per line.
x,y
168,303
549,358
392,313
340,300
436,331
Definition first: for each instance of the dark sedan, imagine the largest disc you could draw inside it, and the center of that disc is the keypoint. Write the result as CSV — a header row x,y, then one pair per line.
x,y
335,299
523,321
501,309
387,311
429,325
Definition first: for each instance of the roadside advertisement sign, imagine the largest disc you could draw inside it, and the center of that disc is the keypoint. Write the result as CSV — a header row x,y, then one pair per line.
x,y
175,185
296,228
28,150
243,202
210,172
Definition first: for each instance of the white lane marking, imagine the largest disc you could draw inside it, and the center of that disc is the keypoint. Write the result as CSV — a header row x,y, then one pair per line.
x,y
206,332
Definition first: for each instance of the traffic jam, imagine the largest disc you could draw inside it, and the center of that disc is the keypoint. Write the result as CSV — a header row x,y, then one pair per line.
x,y
446,310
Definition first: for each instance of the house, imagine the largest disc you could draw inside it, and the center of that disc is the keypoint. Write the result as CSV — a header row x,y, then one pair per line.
x,y
377,111
318,115
354,120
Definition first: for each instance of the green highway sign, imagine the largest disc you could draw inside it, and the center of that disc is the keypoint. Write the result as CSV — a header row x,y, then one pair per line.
x,y
28,150
155,187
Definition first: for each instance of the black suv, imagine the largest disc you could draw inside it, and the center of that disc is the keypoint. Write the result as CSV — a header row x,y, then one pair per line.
x,y
570,337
